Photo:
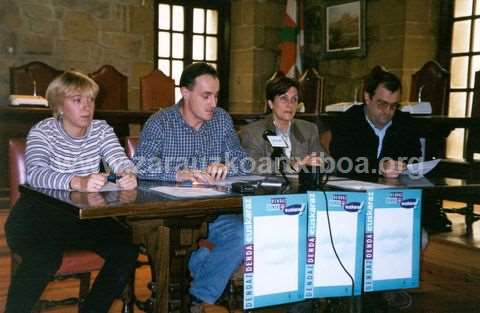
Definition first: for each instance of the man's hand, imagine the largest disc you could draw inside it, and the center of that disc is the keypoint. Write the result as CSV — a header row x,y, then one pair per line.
x,y
91,183
214,172
391,168
217,171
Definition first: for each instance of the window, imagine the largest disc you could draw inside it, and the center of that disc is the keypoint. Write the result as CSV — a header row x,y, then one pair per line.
x,y
192,31
464,62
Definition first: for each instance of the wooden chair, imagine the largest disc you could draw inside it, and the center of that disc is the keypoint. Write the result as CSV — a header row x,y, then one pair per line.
x,y
131,143
75,263
32,78
156,91
432,82
311,91
468,167
113,93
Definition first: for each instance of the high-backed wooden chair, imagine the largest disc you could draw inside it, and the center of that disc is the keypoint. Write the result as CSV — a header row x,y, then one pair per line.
x,y
75,263
113,93
311,91
156,91
34,75
431,82
131,143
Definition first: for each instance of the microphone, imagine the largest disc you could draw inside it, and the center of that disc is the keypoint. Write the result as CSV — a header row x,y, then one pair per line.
x,y
277,153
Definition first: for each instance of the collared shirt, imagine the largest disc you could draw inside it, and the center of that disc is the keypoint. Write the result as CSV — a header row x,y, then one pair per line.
x,y
379,132
286,137
168,144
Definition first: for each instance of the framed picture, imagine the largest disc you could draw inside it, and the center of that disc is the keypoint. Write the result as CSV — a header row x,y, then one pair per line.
x,y
344,29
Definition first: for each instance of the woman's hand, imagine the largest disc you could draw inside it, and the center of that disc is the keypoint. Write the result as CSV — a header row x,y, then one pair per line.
x,y
90,183
127,181
309,160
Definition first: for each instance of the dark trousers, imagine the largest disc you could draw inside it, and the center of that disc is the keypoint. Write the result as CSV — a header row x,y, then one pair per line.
x,y
41,233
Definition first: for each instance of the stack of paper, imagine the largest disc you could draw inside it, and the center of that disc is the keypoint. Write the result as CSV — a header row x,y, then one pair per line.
x,y
28,100
340,106
423,107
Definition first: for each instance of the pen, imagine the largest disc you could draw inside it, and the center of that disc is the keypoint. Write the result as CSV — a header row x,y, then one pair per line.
x,y
112,177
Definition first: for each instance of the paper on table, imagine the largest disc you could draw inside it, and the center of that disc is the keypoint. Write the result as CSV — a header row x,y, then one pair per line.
x,y
356,184
188,192
109,186
421,168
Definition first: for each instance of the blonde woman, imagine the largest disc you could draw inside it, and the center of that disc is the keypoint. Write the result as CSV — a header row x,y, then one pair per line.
x,y
64,152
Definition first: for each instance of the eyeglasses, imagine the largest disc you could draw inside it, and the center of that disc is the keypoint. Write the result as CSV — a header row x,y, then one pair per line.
x,y
285,99
382,105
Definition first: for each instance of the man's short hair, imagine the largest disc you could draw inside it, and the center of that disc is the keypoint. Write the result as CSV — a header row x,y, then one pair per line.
x,y
379,76
278,86
192,71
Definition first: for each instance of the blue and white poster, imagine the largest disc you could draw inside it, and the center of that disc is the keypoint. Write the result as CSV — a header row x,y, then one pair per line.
x,y
335,244
392,239
275,245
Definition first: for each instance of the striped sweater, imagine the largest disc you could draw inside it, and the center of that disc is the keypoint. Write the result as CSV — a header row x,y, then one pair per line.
x,y
53,157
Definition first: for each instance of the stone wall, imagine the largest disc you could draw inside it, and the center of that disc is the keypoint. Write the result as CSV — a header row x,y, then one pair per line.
x,y
401,35
254,52
78,34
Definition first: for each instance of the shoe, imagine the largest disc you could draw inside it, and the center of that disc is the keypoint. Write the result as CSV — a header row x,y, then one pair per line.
x,y
196,305
399,299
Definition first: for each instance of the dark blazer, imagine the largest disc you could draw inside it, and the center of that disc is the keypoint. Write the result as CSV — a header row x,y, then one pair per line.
x,y
304,138
353,137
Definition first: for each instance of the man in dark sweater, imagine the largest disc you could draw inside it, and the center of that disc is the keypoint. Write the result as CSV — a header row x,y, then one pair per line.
x,y
376,138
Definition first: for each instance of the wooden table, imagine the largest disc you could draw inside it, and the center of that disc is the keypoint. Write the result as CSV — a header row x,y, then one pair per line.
x,y
17,121
167,227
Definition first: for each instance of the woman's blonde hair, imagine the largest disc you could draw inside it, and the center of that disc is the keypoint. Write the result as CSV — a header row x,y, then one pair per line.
x,y
67,84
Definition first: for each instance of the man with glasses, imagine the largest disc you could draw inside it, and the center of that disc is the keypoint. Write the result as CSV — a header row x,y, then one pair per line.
x,y
375,138
378,139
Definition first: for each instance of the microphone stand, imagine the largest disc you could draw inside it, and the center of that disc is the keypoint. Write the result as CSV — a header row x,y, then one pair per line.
x,y
278,154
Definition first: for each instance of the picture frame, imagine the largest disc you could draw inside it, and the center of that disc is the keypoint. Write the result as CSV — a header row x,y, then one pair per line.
x,y
344,29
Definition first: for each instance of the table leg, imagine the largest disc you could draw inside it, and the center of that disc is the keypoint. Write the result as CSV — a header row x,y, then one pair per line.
x,y
168,244
155,237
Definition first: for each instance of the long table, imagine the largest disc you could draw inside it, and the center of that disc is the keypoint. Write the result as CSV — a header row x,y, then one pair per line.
x,y
16,122
169,227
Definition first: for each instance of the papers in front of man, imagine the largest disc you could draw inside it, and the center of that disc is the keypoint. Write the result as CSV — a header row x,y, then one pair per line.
x,y
340,106
422,107
421,168
188,192
351,184
18,100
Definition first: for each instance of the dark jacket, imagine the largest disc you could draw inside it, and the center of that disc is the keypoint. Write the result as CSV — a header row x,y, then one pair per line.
x,y
353,137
